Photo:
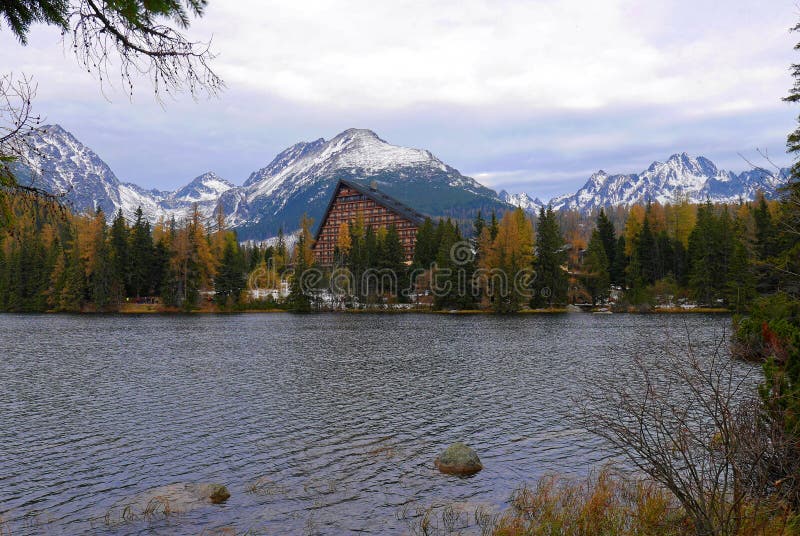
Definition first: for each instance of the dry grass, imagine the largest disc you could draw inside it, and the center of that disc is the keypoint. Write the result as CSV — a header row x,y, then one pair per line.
x,y
157,507
610,504
5,528
603,504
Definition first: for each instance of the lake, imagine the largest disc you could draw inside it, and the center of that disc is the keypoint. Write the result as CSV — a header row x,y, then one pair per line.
x,y
337,416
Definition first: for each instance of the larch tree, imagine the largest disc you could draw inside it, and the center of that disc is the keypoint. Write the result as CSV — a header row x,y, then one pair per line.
x,y
509,254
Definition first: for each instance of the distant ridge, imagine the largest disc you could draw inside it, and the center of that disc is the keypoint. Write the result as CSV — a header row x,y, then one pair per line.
x,y
301,178
681,175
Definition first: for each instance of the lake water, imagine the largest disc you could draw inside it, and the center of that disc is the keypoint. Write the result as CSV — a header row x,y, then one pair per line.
x,y
339,415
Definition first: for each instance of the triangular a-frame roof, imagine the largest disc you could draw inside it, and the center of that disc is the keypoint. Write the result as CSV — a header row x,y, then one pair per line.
x,y
379,197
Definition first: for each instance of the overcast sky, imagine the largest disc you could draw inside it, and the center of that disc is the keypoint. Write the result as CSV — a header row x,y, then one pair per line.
x,y
525,95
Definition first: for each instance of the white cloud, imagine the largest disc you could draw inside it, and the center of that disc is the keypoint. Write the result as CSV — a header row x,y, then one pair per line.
x,y
523,91
570,54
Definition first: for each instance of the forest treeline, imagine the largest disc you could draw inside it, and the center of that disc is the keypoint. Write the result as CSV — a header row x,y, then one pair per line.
x,y
712,255
53,260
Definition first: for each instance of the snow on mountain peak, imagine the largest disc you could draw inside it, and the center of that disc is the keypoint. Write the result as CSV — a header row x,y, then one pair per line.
x,y
681,175
300,179
521,200
352,152
207,187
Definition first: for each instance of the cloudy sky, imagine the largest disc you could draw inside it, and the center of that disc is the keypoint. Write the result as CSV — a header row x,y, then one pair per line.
x,y
524,95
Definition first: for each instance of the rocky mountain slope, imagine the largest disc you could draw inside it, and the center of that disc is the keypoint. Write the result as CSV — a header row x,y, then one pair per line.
x,y
301,178
523,201
681,175
60,164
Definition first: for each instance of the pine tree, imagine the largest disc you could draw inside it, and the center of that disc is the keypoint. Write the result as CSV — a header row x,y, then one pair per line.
x,y
100,266
229,282
446,274
392,258
73,292
426,246
119,244
298,299
702,257
142,257
478,225
596,266
608,239
646,254
619,265
494,227
551,255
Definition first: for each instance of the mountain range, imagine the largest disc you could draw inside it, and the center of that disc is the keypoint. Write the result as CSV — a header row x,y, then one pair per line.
x,y
301,179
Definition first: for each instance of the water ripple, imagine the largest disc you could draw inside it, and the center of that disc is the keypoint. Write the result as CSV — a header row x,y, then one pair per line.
x,y
337,417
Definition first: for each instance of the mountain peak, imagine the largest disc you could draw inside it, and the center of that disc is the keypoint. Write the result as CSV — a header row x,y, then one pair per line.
x,y
206,187
358,133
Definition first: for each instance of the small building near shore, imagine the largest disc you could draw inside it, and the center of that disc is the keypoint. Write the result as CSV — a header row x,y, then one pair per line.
x,y
350,201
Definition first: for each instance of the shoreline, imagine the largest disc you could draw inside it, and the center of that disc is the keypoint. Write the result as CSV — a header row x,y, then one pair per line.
x,y
155,310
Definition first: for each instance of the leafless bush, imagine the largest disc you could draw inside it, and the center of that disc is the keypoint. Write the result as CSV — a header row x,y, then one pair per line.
x,y
696,426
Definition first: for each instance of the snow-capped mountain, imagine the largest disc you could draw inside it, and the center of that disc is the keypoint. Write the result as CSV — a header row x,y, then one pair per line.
x,y
57,162
522,200
301,179
680,176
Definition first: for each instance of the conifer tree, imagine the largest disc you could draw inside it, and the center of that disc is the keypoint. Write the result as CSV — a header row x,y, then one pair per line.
x,y
494,227
551,255
596,266
72,295
142,257
646,253
102,282
426,246
298,299
229,282
620,262
608,239
392,258
120,256
478,225
446,274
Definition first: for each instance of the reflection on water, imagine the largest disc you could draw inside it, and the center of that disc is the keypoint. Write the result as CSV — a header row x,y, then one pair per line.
x,y
326,423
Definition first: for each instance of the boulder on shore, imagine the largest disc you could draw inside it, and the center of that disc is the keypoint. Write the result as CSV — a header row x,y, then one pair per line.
x,y
458,459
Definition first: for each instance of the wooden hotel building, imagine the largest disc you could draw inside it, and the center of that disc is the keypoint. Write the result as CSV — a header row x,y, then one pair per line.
x,y
377,209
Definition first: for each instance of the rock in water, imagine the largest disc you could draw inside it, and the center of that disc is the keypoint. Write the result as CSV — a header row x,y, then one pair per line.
x,y
217,493
458,459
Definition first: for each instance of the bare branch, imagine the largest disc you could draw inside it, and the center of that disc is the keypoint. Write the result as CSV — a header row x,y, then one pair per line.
x,y
103,39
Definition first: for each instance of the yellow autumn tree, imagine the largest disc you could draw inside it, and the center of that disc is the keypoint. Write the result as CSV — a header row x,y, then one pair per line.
x,y
681,216
305,243
506,257
344,242
633,227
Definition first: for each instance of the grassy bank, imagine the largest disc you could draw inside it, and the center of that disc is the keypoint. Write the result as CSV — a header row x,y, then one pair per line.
x,y
607,503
